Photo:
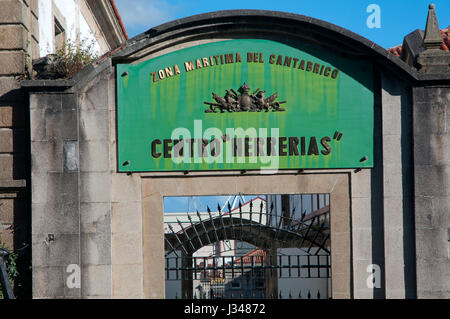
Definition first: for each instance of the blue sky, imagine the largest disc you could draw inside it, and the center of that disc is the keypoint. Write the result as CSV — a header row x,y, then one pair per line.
x,y
398,17
201,203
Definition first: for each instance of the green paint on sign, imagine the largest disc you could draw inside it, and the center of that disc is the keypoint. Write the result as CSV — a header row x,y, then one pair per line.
x,y
325,122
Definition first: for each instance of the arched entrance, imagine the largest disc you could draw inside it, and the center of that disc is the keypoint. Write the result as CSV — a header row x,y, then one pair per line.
x,y
288,234
255,250
344,107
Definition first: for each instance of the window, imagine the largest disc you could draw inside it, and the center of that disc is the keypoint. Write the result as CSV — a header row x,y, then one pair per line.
x,y
235,285
59,28
60,35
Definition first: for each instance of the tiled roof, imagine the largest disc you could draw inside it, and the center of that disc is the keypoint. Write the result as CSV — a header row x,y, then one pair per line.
x,y
445,33
446,36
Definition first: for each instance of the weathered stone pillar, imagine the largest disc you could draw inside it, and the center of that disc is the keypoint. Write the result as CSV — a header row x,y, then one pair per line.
x,y
19,44
397,190
432,169
432,190
55,195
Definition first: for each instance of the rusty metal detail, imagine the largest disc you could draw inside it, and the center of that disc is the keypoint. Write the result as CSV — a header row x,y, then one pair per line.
x,y
243,101
274,229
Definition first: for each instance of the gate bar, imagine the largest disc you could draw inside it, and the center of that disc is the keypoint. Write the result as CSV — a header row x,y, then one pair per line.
x,y
221,221
212,222
178,239
187,236
195,229
204,228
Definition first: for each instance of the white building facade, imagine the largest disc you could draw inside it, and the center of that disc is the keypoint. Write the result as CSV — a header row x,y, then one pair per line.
x,y
80,22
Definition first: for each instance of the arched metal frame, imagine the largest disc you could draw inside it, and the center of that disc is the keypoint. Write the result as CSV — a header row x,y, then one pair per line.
x,y
267,228
279,231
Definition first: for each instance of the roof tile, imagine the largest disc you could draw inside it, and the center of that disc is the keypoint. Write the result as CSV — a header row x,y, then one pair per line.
x,y
445,33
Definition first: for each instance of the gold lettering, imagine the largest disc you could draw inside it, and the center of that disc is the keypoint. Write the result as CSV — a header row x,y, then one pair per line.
x,y
272,58
295,62
169,72
229,58
205,62
189,66
161,74
316,68
238,58
280,60
261,58
287,61
302,65
309,66
155,78
177,69
327,71
199,64
335,73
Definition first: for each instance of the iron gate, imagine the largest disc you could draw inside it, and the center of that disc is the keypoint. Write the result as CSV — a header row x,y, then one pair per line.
x,y
272,231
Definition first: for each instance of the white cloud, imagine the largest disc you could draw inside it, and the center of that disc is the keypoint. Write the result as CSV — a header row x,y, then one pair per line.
x,y
146,13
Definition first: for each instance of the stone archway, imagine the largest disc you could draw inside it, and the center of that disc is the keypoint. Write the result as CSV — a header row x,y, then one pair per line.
x,y
337,185
97,183
282,242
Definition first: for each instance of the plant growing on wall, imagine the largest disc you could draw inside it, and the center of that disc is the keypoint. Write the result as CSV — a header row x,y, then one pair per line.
x,y
11,265
72,57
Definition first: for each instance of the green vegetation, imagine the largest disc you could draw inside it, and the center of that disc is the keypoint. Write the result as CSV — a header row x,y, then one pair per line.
x,y
11,265
73,57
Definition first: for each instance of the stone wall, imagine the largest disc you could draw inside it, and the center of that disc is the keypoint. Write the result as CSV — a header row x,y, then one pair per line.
x,y
111,224
432,190
96,207
55,192
398,209
19,44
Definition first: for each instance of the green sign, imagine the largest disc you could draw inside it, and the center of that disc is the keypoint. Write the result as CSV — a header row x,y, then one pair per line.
x,y
245,105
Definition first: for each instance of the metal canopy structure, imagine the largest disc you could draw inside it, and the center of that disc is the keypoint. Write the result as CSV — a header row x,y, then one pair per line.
x,y
263,228
288,244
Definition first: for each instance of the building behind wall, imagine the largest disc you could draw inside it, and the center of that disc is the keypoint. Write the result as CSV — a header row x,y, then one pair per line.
x,y
29,30
80,21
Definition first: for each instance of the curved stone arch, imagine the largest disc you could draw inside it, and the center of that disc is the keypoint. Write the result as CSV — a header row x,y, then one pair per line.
x,y
217,229
280,26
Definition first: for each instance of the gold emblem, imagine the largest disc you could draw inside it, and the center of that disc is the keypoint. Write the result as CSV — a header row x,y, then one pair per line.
x,y
243,101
